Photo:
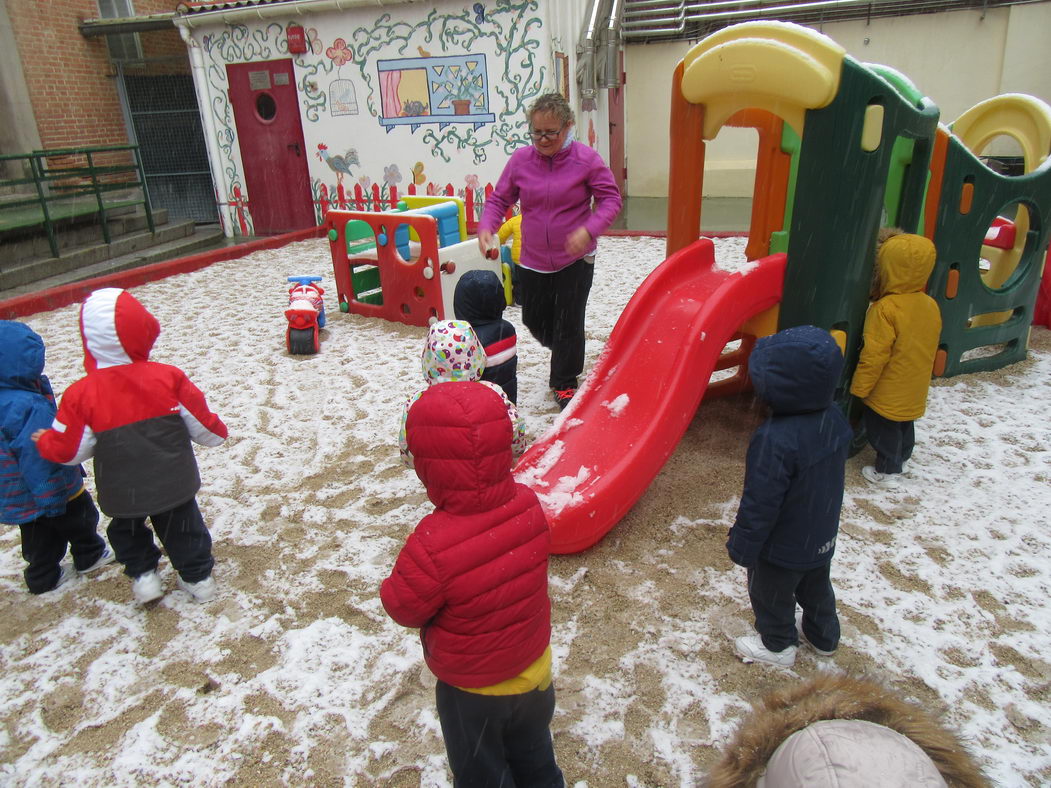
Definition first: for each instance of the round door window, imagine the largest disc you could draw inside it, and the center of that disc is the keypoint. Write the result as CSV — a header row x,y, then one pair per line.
x,y
265,106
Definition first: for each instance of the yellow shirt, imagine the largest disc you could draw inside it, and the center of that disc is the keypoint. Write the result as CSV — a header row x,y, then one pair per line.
x,y
536,676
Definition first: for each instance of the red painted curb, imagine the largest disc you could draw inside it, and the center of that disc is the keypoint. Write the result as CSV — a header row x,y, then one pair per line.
x,y
664,233
58,297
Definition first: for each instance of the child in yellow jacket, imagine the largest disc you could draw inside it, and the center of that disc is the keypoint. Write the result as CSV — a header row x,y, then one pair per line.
x,y
512,229
901,335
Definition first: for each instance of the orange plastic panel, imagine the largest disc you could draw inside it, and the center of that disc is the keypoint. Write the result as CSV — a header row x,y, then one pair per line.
x,y
934,188
939,362
686,173
952,283
772,168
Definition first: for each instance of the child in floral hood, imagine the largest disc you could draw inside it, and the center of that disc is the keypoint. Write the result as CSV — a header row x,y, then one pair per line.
x,y
453,354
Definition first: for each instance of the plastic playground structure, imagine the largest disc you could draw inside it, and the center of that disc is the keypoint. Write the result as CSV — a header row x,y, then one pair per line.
x,y
844,148
403,265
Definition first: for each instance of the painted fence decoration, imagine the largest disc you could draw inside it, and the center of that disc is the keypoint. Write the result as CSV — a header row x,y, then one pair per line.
x,y
372,198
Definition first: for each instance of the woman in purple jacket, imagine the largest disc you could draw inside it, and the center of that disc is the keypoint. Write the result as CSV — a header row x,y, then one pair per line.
x,y
568,198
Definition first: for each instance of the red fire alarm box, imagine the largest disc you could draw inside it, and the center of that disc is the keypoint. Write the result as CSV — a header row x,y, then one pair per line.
x,y
297,39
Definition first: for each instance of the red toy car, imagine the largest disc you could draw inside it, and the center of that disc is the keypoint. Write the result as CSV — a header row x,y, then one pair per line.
x,y
305,314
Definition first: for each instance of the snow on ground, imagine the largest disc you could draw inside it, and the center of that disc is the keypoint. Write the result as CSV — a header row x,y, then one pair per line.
x,y
295,676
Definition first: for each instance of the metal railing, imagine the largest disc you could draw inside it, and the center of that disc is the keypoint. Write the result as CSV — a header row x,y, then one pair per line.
x,y
70,183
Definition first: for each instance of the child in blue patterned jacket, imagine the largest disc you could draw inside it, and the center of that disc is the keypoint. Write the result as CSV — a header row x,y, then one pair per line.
x,y
47,501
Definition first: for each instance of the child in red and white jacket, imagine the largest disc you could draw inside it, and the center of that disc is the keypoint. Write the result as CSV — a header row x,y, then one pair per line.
x,y
137,418
473,578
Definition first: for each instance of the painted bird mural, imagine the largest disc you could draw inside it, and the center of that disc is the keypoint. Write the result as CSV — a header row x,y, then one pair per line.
x,y
338,164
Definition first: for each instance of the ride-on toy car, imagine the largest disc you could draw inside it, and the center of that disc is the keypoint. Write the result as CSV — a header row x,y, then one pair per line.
x,y
306,315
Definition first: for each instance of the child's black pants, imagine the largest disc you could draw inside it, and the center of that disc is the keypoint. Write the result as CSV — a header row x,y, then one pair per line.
x,y
553,307
181,531
774,592
44,542
499,740
892,440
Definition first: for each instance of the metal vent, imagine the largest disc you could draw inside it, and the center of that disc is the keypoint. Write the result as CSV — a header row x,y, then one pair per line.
x,y
669,20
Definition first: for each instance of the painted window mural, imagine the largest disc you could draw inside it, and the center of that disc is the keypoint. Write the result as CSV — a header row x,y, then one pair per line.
x,y
442,90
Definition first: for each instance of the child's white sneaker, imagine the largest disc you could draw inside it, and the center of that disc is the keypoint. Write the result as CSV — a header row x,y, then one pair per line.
x,y
106,558
147,587
201,591
882,479
750,648
65,574
820,651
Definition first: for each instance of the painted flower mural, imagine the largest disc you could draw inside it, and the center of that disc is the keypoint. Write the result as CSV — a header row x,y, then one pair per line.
x,y
392,175
339,53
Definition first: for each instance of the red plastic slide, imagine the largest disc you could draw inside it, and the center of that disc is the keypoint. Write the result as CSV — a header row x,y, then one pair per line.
x,y
627,418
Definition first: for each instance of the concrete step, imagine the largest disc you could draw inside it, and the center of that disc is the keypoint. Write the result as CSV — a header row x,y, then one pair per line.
x,y
168,243
21,246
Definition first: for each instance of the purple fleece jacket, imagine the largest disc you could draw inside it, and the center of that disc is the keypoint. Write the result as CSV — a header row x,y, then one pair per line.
x,y
556,194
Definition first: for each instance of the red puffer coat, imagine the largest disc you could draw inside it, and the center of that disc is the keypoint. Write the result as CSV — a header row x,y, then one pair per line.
x,y
473,575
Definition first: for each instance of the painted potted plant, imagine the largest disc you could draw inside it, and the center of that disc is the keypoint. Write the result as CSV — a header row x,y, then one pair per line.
x,y
463,89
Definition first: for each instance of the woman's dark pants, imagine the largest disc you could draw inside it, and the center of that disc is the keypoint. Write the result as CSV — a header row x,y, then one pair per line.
x,y
553,307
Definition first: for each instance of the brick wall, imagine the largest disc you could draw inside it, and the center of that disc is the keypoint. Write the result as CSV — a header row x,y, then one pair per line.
x,y
72,85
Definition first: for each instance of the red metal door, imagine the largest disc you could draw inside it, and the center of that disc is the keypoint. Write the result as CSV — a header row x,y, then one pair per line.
x,y
270,135
616,130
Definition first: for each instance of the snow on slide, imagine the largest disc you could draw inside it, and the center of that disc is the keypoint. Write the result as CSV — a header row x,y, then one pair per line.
x,y
626,419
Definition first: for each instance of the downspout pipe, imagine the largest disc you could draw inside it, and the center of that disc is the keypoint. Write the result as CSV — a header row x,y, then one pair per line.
x,y
586,61
611,73
204,102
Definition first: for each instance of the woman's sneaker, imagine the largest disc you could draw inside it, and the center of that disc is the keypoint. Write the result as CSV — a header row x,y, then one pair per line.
x,y
201,591
563,397
750,648
147,587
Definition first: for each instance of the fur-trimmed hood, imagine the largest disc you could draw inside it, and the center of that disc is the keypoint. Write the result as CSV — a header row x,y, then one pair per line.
x,y
786,712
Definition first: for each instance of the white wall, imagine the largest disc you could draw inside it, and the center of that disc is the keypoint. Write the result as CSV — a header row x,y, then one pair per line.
x,y
957,59
518,43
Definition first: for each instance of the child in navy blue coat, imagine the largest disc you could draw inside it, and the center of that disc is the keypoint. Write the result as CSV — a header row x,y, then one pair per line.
x,y
47,501
788,518
479,299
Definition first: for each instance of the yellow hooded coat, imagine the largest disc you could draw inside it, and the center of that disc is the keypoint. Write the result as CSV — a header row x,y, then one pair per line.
x,y
901,332
512,229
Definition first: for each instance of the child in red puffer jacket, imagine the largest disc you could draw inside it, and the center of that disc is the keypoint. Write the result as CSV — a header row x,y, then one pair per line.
x,y
473,577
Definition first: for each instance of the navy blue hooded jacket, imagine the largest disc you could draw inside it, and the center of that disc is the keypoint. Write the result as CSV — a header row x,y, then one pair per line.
x,y
479,299
30,486
793,484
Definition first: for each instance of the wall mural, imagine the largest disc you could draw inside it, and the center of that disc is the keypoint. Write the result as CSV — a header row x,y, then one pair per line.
x,y
464,78
344,96
442,90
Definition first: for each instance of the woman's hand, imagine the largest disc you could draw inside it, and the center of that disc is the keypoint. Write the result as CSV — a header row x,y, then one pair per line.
x,y
486,241
578,241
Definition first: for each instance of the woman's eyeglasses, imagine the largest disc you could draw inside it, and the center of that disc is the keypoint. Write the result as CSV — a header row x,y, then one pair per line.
x,y
544,135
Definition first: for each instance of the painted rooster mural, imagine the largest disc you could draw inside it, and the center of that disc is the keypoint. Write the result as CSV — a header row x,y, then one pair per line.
x,y
338,164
